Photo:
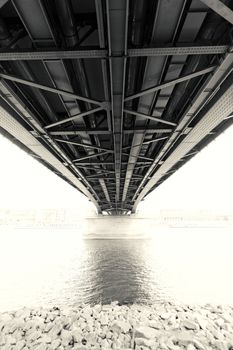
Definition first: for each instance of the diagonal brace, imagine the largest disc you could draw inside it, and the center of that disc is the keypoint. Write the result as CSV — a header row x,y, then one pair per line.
x,y
74,117
171,82
137,114
220,8
51,89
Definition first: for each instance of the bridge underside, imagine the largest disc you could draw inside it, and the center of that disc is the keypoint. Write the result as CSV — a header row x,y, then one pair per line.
x,y
114,96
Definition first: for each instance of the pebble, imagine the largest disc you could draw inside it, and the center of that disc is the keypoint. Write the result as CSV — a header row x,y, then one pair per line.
x,y
165,316
165,326
121,327
145,332
190,325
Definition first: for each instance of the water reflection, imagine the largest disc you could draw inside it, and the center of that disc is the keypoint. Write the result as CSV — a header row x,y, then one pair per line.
x,y
47,268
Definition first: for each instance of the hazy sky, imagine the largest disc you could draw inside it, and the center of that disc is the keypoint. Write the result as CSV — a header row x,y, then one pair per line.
x,y
204,182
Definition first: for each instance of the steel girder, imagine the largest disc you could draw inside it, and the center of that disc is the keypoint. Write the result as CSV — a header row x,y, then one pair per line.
x,y
35,55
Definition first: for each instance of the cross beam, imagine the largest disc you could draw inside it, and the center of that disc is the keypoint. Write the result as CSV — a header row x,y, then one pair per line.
x,y
29,55
37,55
79,131
179,50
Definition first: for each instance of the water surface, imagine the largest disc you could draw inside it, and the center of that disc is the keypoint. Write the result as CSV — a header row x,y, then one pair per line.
x,y
43,267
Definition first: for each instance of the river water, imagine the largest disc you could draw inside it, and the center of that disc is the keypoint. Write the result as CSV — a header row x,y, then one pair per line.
x,y
43,268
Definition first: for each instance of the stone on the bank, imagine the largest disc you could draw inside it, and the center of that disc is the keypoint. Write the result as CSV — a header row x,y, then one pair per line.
x,y
48,327
165,315
219,322
2,325
105,344
145,332
20,345
191,347
183,338
45,339
2,339
155,324
143,342
77,335
227,318
171,345
55,330
10,340
121,326
104,320
198,344
34,336
222,345
55,344
66,337
91,338
202,322
189,325
6,347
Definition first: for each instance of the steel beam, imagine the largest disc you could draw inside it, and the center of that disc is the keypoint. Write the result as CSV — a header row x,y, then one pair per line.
x,y
101,34
141,167
28,55
94,178
110,163
146,142
3,2
117,24
90,156
85,145
154,68
104,189
79,131
106,132
147,130
74,117
32,55
220,8
179,51
99,175
137,114
86,167
171,82
50,89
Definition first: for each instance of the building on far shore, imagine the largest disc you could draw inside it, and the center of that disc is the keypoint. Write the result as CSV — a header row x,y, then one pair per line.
x,y
71,218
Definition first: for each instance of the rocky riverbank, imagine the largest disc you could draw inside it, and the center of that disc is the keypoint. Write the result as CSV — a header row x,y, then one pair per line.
x,y
162,326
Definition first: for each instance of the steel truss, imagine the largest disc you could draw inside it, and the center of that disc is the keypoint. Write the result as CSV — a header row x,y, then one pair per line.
x,y
110,107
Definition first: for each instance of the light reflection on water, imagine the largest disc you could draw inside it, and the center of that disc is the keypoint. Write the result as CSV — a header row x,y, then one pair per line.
x,y
59,267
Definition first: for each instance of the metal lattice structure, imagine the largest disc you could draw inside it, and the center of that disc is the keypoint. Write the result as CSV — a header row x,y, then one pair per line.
x,y
115,95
